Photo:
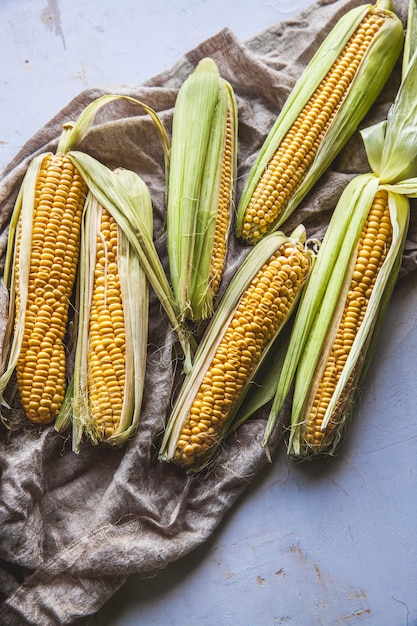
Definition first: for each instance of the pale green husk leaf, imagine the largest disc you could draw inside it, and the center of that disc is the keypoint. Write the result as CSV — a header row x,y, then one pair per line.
x,y
79,129
24,208
410,45
213,335
198,135
390,145
111,193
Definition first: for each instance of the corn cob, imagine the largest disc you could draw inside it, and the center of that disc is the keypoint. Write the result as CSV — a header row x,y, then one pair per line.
x,y
257,304
59,198
110,356
46,250
339,315
201,188
332,96
342,309
346,348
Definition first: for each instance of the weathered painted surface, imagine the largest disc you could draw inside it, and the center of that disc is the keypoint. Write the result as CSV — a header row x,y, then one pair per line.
x,y
53,49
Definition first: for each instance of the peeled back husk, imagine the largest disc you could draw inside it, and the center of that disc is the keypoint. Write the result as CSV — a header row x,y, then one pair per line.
x,y
237,340
319,314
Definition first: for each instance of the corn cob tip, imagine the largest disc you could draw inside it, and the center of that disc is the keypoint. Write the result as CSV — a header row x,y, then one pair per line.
x,y
207,65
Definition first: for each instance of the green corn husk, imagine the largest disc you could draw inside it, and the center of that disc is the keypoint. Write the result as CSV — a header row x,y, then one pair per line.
x,y
392,154
88,417
208,351
372,73
201,188
110,192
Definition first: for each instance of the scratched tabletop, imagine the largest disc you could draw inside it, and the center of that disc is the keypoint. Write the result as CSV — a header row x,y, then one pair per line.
x,y
302,547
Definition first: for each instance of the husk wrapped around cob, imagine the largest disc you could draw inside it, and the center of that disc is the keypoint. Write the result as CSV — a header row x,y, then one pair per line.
x,y
201,188
341,310
329,100
110,358
255,308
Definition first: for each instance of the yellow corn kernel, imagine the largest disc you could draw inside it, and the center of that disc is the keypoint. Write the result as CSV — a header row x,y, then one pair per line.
x,y
261,311
107,373
59,197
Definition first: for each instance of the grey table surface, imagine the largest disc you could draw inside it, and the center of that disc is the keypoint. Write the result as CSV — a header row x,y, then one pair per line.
x,y
302,547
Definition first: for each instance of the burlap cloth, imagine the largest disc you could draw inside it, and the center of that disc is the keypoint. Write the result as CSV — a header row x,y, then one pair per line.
x,y
73,527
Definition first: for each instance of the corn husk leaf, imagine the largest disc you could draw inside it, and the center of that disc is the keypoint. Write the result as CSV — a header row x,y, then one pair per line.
x,y
109,190
212,337
410,44
390,145
198,136
135,297
372,74
24,207
79,129
399,155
